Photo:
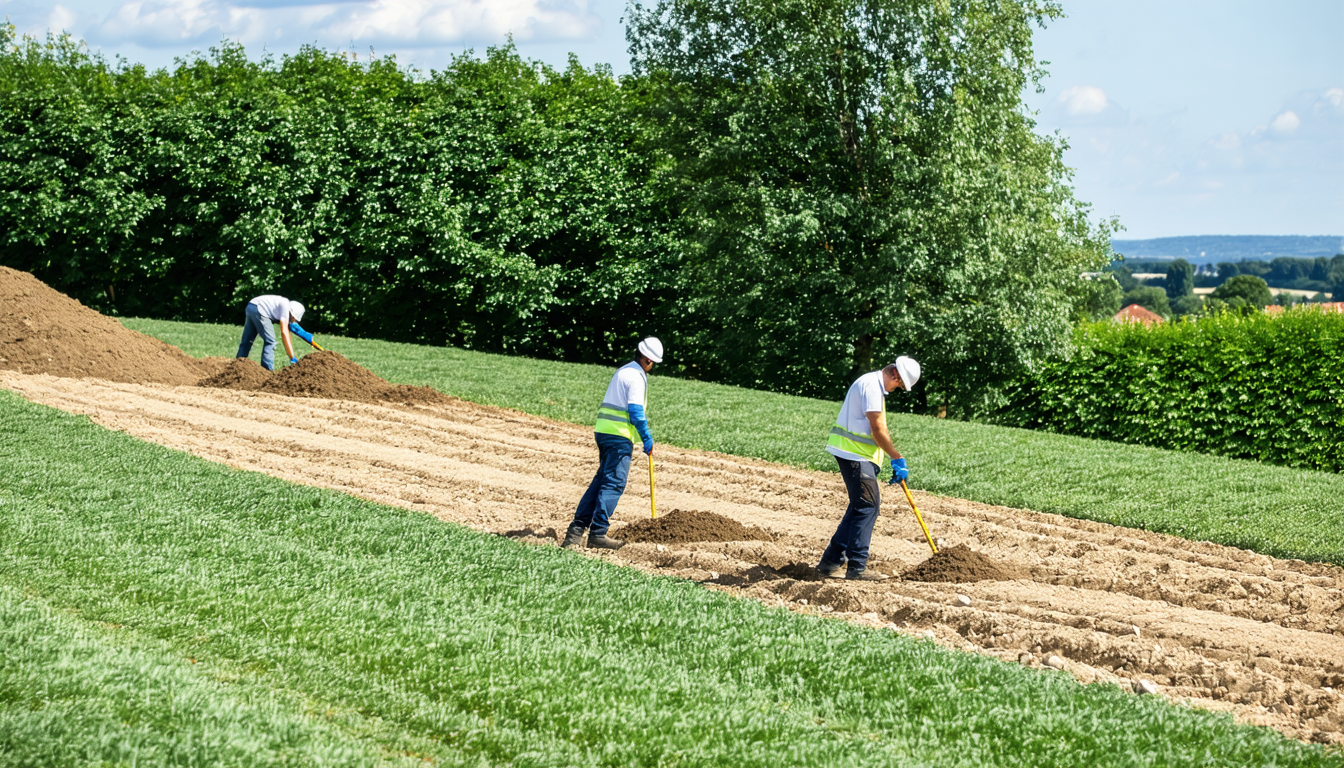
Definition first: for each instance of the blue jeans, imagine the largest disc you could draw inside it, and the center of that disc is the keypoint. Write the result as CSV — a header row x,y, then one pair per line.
x,y
599,501
255,325
852,537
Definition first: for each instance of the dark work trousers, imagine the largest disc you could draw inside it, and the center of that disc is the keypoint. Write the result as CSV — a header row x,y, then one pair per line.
x,y
599,501
852,537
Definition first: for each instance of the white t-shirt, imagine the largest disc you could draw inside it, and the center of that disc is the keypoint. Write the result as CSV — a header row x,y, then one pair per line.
x,y
274,307
865,395
628,386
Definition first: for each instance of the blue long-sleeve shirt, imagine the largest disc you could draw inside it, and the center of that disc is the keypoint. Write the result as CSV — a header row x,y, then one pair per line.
x,y
641,423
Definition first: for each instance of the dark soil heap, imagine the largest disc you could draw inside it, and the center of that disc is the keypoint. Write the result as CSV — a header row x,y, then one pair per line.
x,y
960,565
683,526
44,331
234,373
327,374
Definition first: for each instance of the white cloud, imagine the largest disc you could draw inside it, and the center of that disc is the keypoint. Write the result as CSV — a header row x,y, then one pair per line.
x,y
1335,96
1285,123
1170,179
1083,100
1226,141
61,19
405,23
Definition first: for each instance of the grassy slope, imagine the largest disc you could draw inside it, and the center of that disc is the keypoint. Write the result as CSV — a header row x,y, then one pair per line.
x,y
1274,510
159,606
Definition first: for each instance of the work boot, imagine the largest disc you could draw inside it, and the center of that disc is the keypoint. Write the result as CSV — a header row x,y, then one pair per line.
x,y
865,576
603,541
829,570
573,537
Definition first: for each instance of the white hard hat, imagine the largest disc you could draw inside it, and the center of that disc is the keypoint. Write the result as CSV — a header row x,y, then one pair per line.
x,y
908,370
296,311
652,348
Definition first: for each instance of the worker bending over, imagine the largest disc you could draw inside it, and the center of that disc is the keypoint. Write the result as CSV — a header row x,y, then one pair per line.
x,y
619,418
260,313
858,441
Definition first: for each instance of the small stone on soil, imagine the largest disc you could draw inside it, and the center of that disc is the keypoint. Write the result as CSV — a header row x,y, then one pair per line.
x,y
1054,662
963,600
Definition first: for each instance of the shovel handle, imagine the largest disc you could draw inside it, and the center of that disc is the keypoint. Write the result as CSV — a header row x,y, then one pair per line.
x,y
918,516
653,497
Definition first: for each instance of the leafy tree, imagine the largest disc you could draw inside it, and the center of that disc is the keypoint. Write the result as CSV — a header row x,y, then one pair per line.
x,y
1098,299
1150,298
1335,277
1190,304
860,180
1249,288
1125,277
1180,279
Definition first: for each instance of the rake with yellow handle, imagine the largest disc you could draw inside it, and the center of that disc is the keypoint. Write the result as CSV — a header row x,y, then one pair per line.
x,y
919,517
653,497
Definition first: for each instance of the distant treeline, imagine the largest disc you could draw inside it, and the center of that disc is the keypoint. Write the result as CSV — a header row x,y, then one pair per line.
x,y
788,196
1322,273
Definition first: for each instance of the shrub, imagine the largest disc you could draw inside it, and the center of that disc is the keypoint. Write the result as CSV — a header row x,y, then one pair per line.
x,y
1245,386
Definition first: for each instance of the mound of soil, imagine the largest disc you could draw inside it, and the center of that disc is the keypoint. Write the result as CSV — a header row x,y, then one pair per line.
x,y
234,373
960,565
330,375
681,526
44,331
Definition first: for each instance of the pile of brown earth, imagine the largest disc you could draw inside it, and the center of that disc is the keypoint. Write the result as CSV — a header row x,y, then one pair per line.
x,y
327,374
683,526
960,565
44,331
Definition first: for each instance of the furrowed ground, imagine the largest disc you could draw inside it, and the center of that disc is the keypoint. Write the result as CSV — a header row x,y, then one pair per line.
x,y
161,609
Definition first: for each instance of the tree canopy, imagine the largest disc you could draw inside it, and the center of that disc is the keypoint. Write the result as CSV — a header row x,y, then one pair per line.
x,y
860,180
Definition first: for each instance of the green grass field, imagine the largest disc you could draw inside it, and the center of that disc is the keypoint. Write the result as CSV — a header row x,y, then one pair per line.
x,y
1269,509
158,609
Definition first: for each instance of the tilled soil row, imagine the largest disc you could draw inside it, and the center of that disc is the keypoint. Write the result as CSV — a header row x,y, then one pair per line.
x,y
1225,628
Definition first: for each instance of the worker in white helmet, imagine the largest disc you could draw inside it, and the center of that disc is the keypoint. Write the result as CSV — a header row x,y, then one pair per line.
x,y
620,419
258,316
858,441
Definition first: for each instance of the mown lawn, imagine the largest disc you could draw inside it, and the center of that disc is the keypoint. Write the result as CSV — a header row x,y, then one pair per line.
x,y
1274,510
158,609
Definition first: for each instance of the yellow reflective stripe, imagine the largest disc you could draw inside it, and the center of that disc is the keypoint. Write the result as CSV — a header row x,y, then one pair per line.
x,y
611,421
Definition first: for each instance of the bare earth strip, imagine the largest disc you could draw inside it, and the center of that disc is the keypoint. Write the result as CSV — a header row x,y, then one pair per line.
x,y
1225,628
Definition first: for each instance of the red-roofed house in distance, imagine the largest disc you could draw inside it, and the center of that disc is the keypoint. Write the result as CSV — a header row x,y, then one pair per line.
x,y
1136,314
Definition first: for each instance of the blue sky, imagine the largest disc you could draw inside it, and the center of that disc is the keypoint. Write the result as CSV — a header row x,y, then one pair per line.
x,y
1183,117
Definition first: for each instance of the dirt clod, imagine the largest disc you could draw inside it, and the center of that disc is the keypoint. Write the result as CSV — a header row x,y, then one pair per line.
x,y
681,526
959,565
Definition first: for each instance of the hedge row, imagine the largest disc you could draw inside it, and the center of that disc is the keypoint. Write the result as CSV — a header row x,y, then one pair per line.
x,y
1269,388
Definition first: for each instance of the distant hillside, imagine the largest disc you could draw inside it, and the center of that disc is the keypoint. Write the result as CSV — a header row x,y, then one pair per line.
x,y
1211,249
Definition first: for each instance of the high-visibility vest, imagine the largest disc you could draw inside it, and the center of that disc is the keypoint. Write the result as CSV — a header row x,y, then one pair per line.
x,y
860,443
611,420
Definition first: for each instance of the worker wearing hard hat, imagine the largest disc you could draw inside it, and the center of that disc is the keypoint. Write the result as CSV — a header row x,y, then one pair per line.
x,y
260,313
620,419
859,441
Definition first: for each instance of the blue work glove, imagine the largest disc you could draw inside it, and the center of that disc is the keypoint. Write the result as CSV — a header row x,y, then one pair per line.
x,y
898,471
648,446
297,330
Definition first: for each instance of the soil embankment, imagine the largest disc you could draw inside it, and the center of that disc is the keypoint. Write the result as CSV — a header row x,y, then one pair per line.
x,y
1226,628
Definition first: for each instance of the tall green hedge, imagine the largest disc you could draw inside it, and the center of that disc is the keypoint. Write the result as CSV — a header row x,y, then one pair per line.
x,y
1269,388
